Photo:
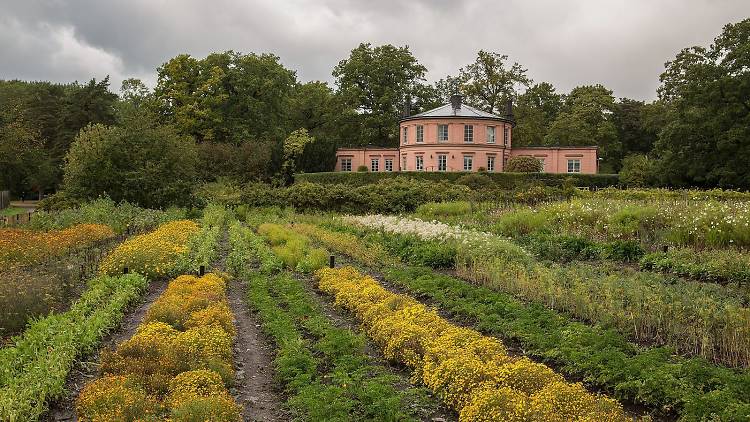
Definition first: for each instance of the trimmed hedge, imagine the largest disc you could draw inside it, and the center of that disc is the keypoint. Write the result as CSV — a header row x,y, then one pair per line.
x,y
505,180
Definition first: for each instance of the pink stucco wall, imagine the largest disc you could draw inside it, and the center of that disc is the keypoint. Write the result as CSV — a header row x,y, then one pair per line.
x,y
363,156
556,158
455,149
455,131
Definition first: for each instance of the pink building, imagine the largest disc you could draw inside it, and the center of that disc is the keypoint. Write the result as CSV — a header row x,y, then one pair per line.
x,y
457,137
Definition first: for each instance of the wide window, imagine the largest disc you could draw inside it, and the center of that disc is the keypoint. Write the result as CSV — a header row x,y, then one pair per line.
x,y
442,133
420,133
491,163
442,162
574,166
374,164
388,164
420,163
506,135
490,134
468,162
346,164
405,137
468,133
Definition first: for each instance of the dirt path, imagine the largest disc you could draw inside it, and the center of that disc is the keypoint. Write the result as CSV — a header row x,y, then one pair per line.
x,y
88,367
255,388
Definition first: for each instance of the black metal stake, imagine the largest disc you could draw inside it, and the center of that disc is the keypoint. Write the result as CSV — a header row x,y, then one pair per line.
x,y
202,270
332,261
125,270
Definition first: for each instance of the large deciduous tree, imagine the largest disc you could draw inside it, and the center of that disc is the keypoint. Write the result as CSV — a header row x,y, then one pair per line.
x,y
535,111
225,97
139,161
586,119
377,82
490,82
706,140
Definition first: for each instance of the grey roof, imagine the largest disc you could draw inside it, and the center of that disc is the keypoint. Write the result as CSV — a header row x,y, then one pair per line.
x,y
465,111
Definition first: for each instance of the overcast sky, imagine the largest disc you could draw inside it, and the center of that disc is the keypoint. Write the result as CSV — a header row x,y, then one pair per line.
x,y
621,44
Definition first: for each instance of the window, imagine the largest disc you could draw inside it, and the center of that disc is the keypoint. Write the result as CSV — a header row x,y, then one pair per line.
x,y
403,163
490,134
442,162
442,133
406,136
468,162
374,164
491,163
346,164
420,163
468,133
506,135
388,164
420,133
574,166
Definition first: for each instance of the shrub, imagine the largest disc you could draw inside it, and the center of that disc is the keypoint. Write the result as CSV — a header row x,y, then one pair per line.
x,y
638,171
523,164
475,181
362,169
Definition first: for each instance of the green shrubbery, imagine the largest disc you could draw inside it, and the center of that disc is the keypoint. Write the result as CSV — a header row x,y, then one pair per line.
x,y
502,180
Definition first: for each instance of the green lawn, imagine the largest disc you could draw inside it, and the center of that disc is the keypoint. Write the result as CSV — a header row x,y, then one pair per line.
x,y
11,211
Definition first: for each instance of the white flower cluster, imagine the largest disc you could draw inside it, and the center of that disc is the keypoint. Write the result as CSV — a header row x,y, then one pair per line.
x,y
427,230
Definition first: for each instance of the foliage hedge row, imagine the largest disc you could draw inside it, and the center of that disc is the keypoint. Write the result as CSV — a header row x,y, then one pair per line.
x,y
504,180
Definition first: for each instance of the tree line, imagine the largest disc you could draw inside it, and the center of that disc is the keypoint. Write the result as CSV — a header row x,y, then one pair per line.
x,y
246,117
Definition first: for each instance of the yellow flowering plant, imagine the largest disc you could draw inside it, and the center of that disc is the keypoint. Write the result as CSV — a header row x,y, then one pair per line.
x,y
472,373
181,355
154,254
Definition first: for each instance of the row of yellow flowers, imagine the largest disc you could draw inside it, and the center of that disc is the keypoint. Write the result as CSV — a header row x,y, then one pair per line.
x,y
154,254
472,373
24,247
176,366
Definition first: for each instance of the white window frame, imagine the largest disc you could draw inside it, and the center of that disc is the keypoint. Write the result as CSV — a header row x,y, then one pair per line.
x,y
490,163
491,132
574,165
420,134
440,137
506,135
442,160
346,164
405,138
468,134
419,163
470,160
388,164
375,164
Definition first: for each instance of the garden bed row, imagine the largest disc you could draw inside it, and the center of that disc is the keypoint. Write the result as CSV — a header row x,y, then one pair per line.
x,y
656,377
325,369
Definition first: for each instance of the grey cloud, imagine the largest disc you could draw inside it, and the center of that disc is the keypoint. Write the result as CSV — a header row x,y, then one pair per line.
x,y
621,44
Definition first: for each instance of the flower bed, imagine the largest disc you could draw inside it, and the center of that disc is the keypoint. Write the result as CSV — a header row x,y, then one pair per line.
x,y
696,318
24,247
33,370
472,373
177,364
153,254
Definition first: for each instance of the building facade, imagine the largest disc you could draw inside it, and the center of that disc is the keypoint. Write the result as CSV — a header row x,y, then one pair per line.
x,y
457,137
